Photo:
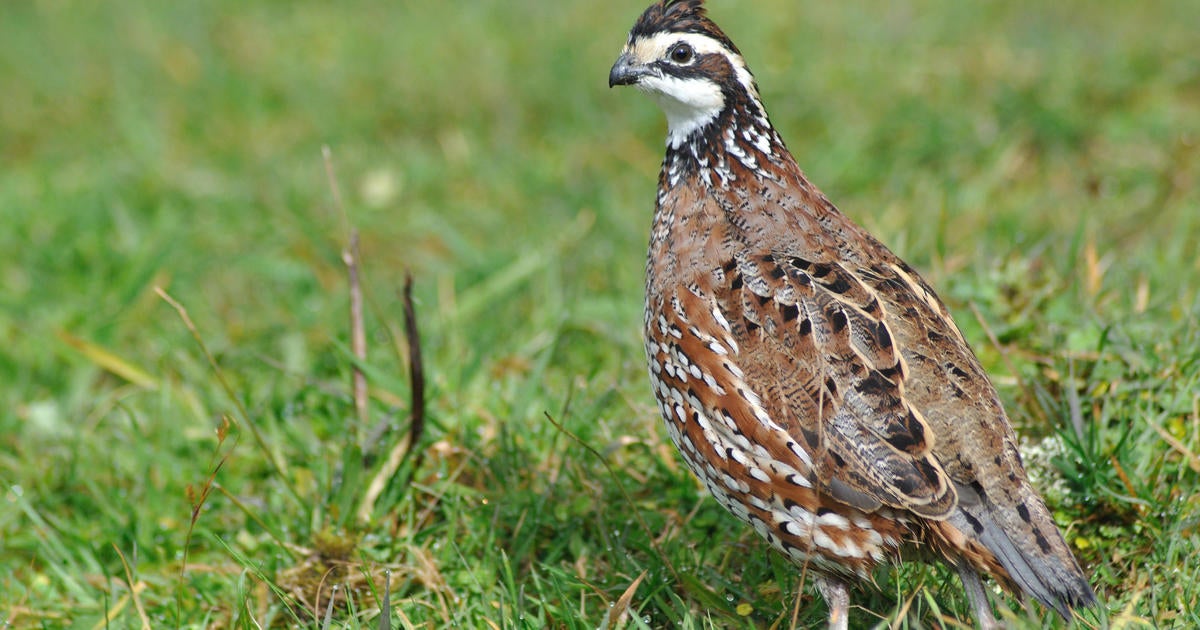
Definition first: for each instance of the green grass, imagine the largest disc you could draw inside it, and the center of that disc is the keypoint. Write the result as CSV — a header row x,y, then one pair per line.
x,y
1038,164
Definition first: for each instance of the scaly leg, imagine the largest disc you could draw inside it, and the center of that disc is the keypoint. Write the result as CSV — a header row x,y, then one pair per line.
x,y
979,599
837,597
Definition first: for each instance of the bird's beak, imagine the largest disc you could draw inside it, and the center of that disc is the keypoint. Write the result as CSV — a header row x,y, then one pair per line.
x,y
626,71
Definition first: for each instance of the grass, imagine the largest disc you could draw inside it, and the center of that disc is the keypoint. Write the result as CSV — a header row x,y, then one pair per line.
x,y
1037,163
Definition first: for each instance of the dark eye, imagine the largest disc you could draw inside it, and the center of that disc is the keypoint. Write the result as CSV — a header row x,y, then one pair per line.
x,y
682,53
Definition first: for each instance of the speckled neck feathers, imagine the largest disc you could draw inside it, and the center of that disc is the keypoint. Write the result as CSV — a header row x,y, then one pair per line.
x,y
739,144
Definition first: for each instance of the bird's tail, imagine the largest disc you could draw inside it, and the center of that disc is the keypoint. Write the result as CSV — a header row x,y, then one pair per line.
x,y
1027,544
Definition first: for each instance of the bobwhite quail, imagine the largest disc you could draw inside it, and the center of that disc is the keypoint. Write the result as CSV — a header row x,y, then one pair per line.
x,y
810,378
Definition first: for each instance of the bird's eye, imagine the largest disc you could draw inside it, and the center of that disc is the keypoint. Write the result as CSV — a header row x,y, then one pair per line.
x,y
682,53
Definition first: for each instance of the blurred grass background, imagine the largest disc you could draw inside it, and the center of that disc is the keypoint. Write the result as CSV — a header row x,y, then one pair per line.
x,y
1037,162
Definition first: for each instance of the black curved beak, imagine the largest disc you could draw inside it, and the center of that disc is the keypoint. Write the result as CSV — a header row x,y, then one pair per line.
x,y
626,71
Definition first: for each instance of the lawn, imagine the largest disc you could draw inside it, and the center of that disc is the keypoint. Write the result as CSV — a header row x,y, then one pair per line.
x,y
1037,162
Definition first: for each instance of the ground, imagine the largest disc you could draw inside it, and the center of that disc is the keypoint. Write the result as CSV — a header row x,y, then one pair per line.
x,y
1036,162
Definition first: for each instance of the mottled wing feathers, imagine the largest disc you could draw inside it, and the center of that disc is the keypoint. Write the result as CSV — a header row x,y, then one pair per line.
x,y
814,341
883,318
748,457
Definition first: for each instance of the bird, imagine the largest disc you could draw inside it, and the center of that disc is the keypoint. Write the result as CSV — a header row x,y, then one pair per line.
x,y
812,380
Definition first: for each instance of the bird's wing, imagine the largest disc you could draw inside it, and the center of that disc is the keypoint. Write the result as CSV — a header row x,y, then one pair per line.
x,y
814,340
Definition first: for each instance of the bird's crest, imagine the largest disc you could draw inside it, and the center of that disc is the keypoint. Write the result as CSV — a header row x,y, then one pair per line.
x,y
679,16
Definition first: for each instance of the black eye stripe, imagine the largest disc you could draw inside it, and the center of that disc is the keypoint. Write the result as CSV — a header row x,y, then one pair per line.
x,y
712,66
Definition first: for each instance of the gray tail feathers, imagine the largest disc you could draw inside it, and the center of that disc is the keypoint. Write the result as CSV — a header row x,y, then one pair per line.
x,y
1032,551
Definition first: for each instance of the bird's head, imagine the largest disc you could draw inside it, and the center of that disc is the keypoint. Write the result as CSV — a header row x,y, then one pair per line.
x,y
683,60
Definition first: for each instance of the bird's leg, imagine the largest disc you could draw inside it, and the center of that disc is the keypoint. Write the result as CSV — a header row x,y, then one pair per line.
x,y
979,599
837,597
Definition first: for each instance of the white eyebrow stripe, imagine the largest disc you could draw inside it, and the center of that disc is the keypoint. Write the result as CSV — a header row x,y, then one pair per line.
x,y
649,49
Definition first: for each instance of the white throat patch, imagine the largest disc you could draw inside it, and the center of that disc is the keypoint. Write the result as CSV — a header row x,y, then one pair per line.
x,y
688,103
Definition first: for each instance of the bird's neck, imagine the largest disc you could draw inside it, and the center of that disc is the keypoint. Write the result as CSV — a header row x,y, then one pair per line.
x,y
707,177
738,145
729,181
